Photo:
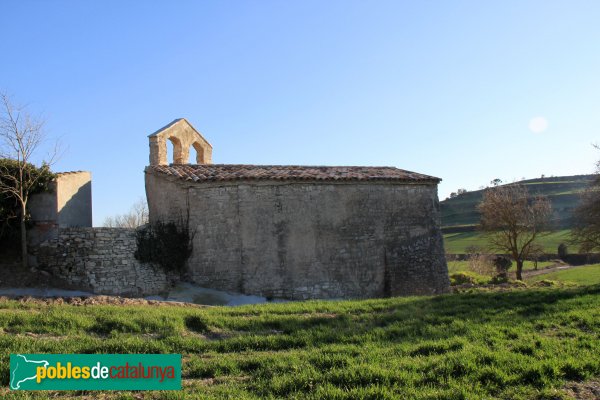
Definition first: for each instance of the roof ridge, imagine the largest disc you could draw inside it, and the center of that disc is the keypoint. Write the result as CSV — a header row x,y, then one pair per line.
x,y
170,124
288,165
71,172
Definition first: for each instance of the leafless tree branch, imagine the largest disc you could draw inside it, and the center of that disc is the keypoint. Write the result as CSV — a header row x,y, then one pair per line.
x,y
586,232
512,220
21,136
137,216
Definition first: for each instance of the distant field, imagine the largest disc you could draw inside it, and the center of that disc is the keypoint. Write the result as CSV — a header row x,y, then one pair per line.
x,y
460,266
456,243
584,275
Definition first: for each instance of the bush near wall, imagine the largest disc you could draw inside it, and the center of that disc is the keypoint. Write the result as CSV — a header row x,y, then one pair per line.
x,y
167,244
9,206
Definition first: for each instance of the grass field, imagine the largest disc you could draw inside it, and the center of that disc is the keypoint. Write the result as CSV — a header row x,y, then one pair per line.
x,y
584,275
456,243
521,344
460,266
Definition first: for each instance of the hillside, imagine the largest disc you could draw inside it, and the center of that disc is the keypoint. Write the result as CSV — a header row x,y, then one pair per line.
x,y
460,213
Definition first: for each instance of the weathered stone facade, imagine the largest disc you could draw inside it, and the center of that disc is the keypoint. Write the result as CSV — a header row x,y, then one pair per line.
x,y
67,203
100,260
305,232
309,240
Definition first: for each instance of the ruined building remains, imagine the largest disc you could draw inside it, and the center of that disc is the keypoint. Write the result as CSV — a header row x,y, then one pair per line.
x,y
298,232
64,243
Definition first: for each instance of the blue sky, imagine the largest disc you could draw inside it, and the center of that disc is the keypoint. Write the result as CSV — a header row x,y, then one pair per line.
x,y
446,88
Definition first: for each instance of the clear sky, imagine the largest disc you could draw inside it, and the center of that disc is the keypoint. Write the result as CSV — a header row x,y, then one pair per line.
x,y
464,90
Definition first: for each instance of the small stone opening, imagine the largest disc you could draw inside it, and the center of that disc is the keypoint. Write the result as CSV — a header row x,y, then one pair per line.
x,y
192,156
184,139
177,150
199,153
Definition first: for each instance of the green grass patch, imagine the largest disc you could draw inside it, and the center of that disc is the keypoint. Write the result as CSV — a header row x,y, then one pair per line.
x,y
518,344
584,275
463,266
464,277
457,243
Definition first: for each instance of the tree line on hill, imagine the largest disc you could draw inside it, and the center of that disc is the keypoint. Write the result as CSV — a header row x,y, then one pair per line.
x,y
493,182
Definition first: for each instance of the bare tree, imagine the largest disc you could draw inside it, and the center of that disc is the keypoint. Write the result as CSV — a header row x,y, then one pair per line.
x,y
512,221
586,232
21,136
137,216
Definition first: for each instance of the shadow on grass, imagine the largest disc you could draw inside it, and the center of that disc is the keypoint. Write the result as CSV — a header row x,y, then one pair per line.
x,y
405,320
405,346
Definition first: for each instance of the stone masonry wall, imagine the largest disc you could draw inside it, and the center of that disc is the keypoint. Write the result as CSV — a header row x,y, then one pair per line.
x,y
304,240
101,260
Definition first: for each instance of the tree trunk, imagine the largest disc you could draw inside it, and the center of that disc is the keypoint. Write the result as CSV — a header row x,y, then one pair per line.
x,y
24,260
519,270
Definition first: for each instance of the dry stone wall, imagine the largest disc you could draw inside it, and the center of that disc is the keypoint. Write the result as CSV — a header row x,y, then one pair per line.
x,y
101,260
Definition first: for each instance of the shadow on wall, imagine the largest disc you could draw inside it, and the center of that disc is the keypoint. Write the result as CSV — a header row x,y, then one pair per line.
x,y
77,210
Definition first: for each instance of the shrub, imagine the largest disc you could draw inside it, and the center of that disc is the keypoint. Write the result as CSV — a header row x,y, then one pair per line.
x,y
563,251
499,279
9,206
502,264
481,264
547,283
519,283
167,244
462,278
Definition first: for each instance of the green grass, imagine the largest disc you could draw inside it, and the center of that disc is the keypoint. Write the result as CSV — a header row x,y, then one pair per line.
x,y
521,344
461,266
457,243
584,275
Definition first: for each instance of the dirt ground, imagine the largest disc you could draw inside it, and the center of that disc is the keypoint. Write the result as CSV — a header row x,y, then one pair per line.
x,y
589,390
98,300
14,276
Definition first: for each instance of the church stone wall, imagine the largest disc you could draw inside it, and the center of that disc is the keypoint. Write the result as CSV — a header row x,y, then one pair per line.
x,y
304,240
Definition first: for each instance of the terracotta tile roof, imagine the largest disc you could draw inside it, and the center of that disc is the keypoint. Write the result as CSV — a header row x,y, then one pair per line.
x,y
234,172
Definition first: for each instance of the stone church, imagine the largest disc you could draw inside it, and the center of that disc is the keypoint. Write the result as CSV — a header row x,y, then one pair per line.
x,y
298,232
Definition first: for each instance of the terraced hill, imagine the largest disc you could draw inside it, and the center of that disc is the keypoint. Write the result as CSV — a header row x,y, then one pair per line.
x,y
460,213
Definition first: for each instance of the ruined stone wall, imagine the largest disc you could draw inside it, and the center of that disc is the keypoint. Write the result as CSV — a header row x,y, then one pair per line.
x,y
305,240
101,260
67,203
74,199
